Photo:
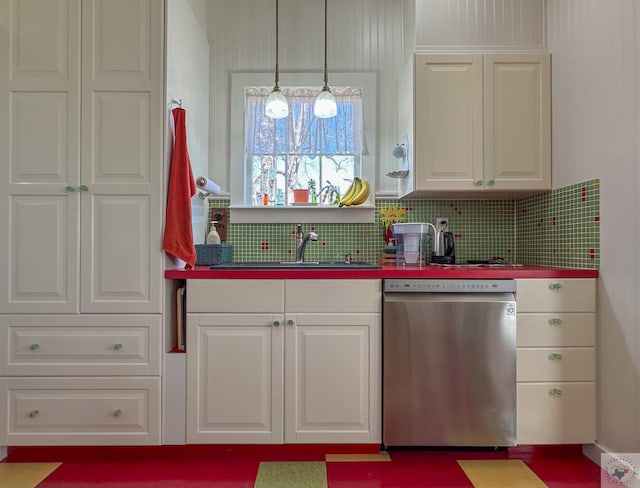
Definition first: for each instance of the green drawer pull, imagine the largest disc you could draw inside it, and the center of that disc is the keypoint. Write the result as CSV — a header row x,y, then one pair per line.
x,y
69,189
117,413
117,347
83,188
34,347
491,182
276,323
555,286
557,322
555,392
34,413
290,322
479,183
555,356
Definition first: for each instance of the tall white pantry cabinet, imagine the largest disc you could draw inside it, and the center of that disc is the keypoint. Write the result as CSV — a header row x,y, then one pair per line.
x,y
81,164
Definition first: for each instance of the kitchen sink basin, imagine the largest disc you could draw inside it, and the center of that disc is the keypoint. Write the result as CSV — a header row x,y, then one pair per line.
x,y
293,265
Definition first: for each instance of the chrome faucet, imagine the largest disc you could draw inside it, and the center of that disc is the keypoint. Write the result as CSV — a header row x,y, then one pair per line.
x,y
301,242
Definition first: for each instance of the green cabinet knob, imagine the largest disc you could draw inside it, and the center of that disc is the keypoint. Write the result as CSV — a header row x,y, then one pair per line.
x,y
276,323
555,392
290,322
34,413
555,356
479,183
83,188
117,347
117,413
491,182
69,189
555,286
34,347
556,322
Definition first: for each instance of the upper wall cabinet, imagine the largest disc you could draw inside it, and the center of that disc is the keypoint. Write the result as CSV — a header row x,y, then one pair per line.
x,y
481,125
81,155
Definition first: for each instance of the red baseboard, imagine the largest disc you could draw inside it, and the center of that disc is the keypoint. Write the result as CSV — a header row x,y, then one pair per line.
x,y
293,452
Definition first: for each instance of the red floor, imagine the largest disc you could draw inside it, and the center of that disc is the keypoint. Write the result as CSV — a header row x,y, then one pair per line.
x,y
236,466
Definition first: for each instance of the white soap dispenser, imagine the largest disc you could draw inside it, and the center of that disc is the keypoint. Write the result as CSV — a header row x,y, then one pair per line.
x,y
213,237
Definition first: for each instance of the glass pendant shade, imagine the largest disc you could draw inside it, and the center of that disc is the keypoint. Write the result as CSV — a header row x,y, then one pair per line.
x,y
276,106
325,106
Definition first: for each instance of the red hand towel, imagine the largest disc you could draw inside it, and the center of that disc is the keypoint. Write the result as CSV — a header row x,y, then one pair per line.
x,y
178,234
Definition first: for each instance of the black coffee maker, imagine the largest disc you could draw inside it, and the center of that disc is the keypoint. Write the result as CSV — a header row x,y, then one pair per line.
x,y
444,248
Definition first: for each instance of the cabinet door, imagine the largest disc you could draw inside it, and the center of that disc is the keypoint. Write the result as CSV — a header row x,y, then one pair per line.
x,y
234,378
448,122
122,155
332,372
39,155
517,122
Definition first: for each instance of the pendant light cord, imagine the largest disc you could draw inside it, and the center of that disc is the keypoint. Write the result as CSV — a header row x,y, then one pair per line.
x,y
277,48
326,76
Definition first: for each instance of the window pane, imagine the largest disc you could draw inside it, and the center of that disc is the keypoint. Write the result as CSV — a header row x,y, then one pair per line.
x,y
290,153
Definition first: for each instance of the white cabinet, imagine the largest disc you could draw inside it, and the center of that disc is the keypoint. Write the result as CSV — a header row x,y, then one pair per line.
x,y
556,361
96,345
81,152
81,411
81,149
481,124
272,361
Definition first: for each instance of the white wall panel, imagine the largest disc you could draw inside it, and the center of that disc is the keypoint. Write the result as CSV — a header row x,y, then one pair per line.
x,y
517,24
188,80
596,128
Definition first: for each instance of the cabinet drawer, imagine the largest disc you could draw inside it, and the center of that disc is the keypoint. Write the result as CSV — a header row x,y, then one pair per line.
x,y
556,413
556,329
80,346
339,296
569,295
557,364
67,411
235,296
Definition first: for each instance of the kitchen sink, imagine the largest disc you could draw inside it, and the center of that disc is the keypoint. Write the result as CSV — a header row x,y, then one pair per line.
x,y
294,265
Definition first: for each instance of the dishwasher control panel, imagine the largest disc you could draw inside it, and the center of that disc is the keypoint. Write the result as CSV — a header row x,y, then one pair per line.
x,y
449,286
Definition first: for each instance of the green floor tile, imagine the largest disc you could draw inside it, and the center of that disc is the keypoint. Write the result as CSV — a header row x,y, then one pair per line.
x,y
291,475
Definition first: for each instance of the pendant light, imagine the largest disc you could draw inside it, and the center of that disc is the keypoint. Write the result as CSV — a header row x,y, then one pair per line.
x,y
277,106
325,106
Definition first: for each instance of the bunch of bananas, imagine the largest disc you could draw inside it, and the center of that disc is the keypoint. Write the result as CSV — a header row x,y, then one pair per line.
x,y
356,194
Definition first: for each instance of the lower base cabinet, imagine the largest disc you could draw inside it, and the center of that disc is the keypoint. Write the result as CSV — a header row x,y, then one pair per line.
x,y
556,335
301,367
80,411
80,380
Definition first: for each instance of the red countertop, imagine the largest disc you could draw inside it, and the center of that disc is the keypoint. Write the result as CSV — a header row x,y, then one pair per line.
x,y
387,271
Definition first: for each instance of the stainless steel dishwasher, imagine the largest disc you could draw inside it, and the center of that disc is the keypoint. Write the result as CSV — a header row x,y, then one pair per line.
x,y
449,363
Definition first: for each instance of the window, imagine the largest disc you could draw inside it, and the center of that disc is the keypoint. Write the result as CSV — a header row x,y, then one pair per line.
x,y
274,157
302,151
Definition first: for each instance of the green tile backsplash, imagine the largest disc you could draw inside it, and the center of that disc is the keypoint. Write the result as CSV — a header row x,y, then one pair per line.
x,y
558,228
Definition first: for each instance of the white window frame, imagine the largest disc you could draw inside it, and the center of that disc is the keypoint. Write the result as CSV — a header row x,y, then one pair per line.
x,y
243,211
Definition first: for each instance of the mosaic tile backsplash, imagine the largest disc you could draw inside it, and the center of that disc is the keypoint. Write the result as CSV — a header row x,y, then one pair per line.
x,y
559,228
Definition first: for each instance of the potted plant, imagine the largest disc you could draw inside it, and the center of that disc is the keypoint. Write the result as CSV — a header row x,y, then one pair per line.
x,y
301,195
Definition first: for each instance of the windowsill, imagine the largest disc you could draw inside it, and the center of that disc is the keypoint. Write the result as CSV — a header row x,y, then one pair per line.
x,y
360,214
